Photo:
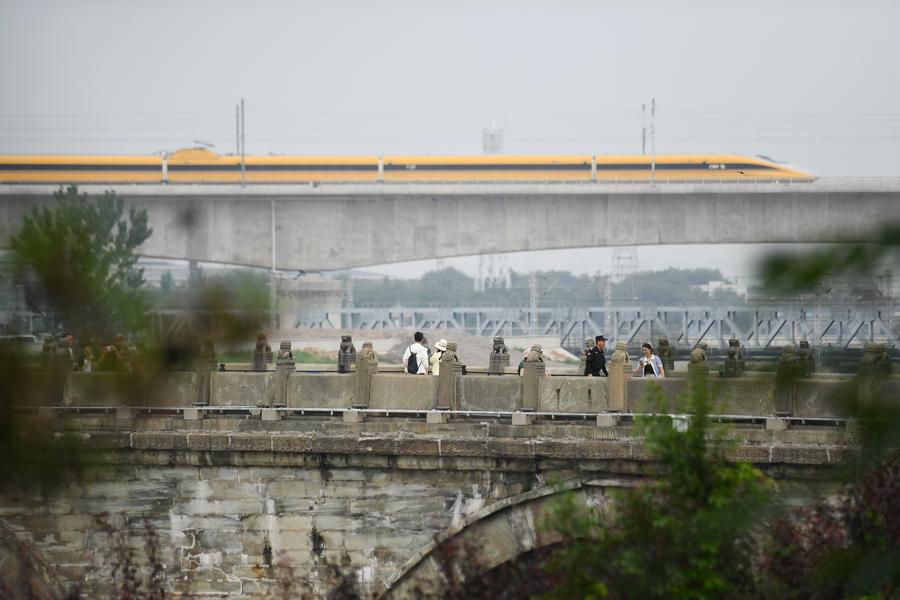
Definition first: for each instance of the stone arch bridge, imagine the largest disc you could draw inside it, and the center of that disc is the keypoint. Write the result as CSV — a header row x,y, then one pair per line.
x,y
243,506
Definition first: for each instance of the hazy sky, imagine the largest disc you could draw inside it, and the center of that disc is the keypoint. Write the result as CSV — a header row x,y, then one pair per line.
x,y
813,83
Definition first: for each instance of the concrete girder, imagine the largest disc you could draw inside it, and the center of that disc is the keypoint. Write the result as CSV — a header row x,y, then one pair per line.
x,y
338,227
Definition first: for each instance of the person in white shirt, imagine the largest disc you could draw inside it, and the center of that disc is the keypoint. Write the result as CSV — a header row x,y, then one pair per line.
x,y
435,359
650,365
419,366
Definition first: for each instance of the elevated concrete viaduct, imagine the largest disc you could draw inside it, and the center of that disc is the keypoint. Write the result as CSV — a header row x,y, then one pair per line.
x,y
341,226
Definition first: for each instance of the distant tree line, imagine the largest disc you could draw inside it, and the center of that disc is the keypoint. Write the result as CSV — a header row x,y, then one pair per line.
x,y
451,286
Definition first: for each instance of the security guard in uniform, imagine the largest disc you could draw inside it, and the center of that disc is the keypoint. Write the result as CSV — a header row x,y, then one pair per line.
x,y
596,361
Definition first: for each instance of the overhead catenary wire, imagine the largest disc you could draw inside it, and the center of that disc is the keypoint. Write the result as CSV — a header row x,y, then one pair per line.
x,y
280,128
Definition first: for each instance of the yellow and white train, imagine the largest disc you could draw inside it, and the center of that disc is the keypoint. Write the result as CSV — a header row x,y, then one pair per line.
x,y
196,165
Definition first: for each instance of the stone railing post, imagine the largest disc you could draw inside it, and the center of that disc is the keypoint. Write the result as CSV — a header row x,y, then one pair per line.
x,y
346,354
366,366
533,380
873,368
619,372
277,394
499,358
262,353
588,344
806,359
786,382
734,359
206,364
448,379
448,386
698,368
665,356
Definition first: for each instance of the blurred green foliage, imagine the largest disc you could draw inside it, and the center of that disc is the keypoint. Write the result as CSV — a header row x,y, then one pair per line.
x,y
80,263
36,454
790,273
681,536
710,529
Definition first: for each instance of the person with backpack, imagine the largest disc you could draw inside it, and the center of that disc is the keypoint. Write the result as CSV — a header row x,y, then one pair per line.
x,y
416,356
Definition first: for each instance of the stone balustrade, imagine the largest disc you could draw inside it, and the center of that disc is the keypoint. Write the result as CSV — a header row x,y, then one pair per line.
x,y
752,394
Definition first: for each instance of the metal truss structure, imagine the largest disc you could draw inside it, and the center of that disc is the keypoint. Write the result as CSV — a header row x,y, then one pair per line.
x,y
840,326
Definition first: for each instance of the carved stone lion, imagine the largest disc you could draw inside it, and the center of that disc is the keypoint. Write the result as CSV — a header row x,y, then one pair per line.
x,y
620,354
698,354
664,350
875,355
449,354
284,351
346,354
347,344
366,352
536,354
499,346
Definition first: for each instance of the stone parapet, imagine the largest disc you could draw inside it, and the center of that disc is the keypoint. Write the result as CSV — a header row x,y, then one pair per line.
x,y
755,394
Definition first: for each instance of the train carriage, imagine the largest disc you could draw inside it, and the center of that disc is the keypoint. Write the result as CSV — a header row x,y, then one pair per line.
x,y
198,165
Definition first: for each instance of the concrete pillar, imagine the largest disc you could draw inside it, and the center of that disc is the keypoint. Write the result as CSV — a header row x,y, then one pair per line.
x,y
521,418
125,412
776,424
270,414
366,366
193,414
436,417
607,420
532,383
354,416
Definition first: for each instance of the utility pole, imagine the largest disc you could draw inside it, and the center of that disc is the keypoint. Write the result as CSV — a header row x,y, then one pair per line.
x,y
348,302
243,145
273,274
533,285
644,128
653,140
606,291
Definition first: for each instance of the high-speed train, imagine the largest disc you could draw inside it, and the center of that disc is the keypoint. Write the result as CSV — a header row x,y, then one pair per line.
x,y
200,165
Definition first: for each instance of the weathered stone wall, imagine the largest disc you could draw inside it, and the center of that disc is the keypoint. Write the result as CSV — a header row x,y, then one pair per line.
x,y
244,507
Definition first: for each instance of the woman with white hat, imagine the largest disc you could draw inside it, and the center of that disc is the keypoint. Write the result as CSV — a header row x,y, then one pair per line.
x,y
435,361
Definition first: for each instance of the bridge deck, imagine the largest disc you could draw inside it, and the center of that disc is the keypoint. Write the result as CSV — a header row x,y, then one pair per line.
x,y
662,186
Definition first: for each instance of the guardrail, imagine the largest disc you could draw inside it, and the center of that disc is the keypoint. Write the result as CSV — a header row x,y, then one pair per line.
x,y
248,411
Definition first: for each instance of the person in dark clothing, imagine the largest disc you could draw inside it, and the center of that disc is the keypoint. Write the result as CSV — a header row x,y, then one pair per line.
x,y
596,361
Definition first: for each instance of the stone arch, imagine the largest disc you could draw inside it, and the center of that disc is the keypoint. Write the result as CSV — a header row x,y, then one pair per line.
x,y
498,533
25,573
